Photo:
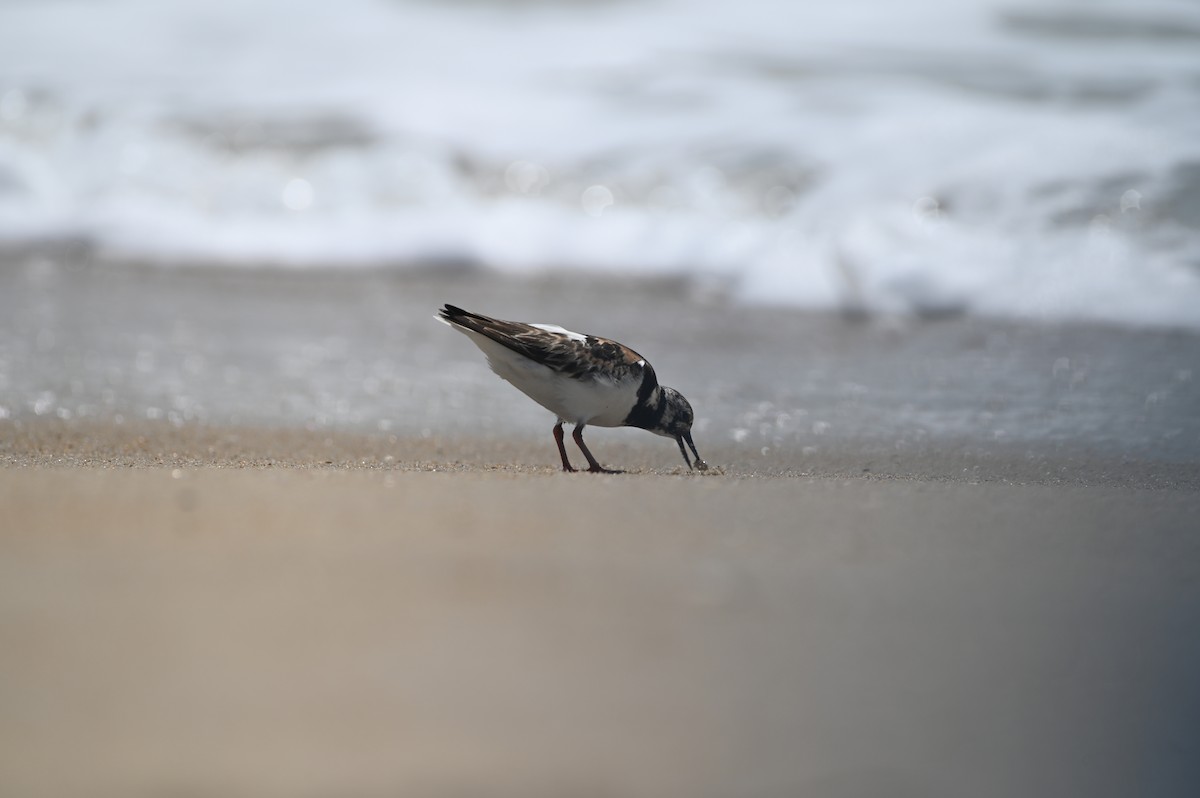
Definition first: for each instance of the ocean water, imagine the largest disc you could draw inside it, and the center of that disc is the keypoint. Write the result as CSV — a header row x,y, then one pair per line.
x,y
1005,158
360,350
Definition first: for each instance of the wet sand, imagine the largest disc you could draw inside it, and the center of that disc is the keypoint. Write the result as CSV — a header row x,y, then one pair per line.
x,y
225,612
333,351
140,444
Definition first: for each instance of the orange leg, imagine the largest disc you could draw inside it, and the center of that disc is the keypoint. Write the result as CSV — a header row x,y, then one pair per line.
x,y
562,450
593,466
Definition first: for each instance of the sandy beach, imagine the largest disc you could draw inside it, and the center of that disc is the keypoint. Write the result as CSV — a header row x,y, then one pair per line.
x,y
281,534
222,612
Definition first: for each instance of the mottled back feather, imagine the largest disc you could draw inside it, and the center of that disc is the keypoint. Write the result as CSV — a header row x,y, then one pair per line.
x,y
583,357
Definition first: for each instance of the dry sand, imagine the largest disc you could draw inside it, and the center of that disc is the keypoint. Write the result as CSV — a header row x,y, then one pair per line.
x,y
219,612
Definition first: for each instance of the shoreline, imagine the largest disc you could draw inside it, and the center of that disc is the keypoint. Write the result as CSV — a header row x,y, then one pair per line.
x,y
45,443
360,353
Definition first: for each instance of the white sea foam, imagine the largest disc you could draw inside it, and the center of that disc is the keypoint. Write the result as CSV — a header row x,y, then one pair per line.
x,y
942,156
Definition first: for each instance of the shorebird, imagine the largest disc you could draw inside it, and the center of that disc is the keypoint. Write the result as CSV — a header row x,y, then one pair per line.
x,y
581,379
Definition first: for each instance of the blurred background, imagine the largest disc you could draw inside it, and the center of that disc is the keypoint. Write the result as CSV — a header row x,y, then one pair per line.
x,y
1001,157
1032,165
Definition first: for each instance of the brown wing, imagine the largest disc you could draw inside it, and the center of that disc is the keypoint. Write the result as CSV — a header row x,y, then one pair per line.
x,y
589,358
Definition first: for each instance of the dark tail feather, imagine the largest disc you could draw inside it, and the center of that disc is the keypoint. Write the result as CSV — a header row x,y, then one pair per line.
x,y
453,313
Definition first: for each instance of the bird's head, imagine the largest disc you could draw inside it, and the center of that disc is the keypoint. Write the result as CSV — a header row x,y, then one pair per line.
x,y
676,422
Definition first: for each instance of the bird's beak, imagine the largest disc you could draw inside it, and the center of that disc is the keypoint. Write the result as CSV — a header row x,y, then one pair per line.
x,y
687,436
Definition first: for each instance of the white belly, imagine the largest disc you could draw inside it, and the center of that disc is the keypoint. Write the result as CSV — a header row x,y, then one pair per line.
x,y
597,402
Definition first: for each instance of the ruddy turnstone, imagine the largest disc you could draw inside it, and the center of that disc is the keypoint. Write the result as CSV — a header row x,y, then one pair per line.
x,y
581,379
